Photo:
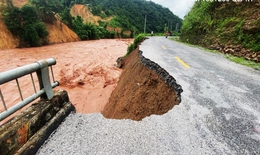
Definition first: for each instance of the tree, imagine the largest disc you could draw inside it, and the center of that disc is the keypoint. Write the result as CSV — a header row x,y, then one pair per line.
x,y
13,20
66,17
25,24
48,8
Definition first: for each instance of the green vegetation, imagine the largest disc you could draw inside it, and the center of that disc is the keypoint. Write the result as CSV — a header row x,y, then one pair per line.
x,y
127,14
244,62
198,22
130,15
227,23
85,31
138,39
26,25
47,9
88,31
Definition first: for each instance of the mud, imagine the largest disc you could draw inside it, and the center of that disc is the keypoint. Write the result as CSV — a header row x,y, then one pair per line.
x,y
86,69
140,92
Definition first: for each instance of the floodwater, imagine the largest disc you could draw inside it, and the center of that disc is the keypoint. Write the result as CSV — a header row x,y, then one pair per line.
x,y
85,69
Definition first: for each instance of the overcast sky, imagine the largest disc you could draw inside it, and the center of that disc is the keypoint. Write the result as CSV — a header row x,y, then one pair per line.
x,y
178,7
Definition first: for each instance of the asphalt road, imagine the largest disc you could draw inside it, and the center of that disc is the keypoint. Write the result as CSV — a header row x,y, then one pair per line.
x,y
219,112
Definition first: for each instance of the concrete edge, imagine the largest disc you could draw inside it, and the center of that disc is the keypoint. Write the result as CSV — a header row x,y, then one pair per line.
x,y
164,75
36,141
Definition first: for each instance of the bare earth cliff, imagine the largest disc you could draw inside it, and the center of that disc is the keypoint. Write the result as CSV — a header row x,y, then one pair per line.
x,y
144,88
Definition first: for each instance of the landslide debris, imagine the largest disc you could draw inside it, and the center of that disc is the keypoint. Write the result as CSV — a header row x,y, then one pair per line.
x,y
141,92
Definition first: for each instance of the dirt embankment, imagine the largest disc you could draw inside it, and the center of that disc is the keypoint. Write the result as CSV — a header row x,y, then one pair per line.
x,y
7,40
140,92
58,32
86,14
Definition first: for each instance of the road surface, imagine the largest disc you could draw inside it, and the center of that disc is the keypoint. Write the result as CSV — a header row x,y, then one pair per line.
x,y
219,112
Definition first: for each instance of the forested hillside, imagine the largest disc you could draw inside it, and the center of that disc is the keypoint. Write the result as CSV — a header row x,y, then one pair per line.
x,y
130,14
231,27
124,18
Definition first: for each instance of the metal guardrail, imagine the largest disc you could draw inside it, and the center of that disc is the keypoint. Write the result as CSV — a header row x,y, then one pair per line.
x,y
42,70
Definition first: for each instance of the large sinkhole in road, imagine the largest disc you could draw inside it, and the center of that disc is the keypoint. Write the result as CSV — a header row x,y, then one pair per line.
x,y
144,88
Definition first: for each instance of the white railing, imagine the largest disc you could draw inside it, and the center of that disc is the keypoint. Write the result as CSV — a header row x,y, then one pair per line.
x,y
42,70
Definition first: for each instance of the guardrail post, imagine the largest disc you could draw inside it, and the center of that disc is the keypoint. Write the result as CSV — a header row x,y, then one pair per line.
x,y
44,79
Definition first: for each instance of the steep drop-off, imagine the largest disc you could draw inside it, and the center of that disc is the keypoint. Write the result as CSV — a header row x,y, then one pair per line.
x,y
141,92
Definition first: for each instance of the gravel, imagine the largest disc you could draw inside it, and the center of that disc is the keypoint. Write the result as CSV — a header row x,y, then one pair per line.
x,y
168,134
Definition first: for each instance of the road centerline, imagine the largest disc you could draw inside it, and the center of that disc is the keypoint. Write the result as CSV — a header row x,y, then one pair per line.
x,y
182,62
164,47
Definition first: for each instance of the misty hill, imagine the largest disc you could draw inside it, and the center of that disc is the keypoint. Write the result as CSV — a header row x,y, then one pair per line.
x,y
231,27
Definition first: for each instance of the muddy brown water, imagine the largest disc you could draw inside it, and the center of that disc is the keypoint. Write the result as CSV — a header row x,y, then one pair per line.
x,y
85,69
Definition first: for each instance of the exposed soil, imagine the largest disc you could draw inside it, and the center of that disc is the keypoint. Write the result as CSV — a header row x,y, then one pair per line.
x,y
140,92
86,14
85,69
7,40
19,3
60,33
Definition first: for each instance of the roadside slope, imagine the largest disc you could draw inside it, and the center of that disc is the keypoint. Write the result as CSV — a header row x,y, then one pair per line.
x,y
141,92
230,27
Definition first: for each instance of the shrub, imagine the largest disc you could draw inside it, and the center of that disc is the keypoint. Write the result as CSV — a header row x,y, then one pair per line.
x,y
25,24
130,48
138,39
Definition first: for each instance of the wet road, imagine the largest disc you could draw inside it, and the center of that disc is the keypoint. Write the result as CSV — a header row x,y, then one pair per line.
x,y
219,112
221,96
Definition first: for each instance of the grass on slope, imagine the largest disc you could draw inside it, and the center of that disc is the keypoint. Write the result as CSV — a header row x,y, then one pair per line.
x,y
244,62
239,60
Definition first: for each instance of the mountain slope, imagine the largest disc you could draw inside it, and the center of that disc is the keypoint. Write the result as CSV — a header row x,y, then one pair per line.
x,y
132,14
58,32
86,14
7,40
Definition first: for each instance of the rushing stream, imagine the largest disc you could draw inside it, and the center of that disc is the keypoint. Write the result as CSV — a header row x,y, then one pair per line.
x,y
85,69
